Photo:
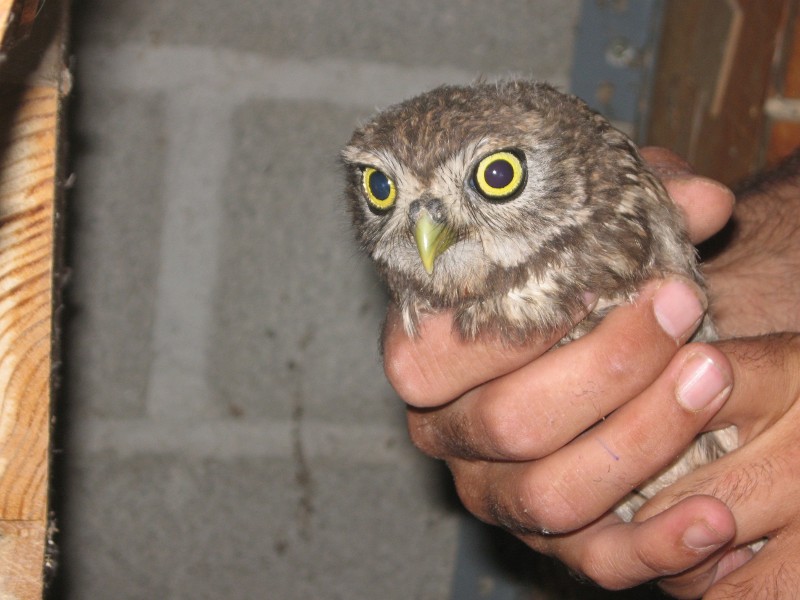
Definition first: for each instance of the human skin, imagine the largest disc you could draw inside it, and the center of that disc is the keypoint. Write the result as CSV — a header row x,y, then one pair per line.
x,y
508,419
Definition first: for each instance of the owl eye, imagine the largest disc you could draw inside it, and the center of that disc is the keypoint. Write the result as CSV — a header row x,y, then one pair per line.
x,y
379,189
500,176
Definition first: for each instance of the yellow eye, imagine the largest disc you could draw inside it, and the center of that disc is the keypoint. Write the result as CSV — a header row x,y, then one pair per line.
x,y
500,176
379,189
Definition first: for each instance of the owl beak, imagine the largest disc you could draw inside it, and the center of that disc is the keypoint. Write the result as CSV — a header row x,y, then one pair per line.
x,y
432,239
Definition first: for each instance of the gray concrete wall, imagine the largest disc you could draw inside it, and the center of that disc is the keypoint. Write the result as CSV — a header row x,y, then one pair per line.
x,y
226,428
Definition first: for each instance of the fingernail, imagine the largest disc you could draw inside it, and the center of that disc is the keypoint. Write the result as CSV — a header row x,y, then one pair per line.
x,y
700,382
665,163
705,181
677,308
701,536
731,561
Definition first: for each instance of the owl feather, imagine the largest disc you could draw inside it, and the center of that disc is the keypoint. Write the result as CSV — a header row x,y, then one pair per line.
x,y
507,204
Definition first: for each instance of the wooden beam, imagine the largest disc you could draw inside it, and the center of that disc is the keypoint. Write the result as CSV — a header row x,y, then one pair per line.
x,y
784,132
31,90
715,68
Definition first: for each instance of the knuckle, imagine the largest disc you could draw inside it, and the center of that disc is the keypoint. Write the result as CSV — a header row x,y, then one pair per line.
x,y
470,484
537,506
516,511
552,514
563,503
475,504
595,563
406,375
420,432
503,431
510,516
654,564
619,570
608,579
445,433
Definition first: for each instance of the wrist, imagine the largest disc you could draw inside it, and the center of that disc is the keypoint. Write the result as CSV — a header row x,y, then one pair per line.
x,y
753,281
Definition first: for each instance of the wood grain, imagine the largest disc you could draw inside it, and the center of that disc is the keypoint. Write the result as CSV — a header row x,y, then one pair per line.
x,y
714,70
27,189
30,100
784,136
21,553
29,121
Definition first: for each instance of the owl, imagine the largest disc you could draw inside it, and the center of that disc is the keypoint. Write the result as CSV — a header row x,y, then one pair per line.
x,y
507,204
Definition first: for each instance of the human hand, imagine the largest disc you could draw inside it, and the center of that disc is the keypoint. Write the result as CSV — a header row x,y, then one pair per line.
x,y
509,469
753,280
759,482
503,438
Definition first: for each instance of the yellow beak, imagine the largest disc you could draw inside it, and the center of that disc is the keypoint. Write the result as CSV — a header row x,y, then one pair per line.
x,y
432,239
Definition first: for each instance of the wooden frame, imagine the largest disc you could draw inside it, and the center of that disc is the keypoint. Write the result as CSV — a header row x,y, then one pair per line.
x,y
719,64
34,81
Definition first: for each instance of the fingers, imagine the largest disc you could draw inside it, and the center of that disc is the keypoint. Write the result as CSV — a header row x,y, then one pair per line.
x,y
760,481
573,486
438,365
541,406
764,473
707,204
772,573
665,163
764,468
694,582
620,555
767,374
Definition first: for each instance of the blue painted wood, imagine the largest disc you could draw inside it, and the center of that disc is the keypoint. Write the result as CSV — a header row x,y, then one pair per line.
x,y
615,53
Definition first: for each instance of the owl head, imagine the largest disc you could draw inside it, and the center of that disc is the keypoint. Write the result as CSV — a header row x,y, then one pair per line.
x,y
465,192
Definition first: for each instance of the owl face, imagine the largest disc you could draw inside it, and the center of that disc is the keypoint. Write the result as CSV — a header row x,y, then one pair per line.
x,y
454,221
454,189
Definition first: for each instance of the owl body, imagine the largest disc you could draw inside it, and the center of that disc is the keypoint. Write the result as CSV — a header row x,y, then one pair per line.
x,y
508,204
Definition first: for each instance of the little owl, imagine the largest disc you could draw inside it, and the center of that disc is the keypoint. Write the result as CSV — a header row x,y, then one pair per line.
x,y
509,204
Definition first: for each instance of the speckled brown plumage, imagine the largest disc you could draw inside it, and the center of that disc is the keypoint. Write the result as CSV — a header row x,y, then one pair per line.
x,y
587,217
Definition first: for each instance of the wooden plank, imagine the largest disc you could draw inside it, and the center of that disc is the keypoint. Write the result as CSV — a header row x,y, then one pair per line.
x,y
715,66
30,100
784,136
22,545
27,189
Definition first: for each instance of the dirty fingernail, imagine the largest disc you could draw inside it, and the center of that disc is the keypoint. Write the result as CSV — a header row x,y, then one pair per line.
x,y
701,536
677,308
700,382
665,163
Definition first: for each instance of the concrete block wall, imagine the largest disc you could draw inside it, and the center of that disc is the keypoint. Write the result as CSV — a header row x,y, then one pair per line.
x,y
226,428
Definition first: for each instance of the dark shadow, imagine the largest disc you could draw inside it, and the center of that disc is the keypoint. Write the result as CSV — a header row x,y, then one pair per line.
x,y
488,553
45,26
526,574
